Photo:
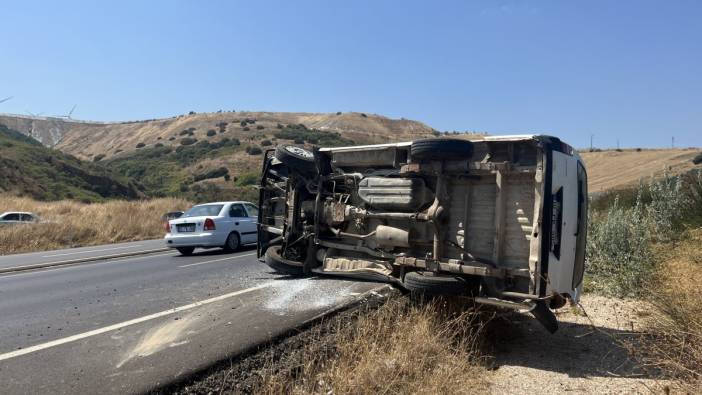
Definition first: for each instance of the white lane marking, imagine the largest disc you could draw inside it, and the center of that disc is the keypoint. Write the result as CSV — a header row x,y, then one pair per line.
x,y
85,252
217,260
89,259
124,324
95,263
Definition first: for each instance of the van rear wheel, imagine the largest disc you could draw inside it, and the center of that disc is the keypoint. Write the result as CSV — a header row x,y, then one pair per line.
x,y
441,149
281,265
429,283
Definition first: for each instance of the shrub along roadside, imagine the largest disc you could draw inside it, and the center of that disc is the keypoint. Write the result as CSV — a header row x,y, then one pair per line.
x,y
651,250
620,261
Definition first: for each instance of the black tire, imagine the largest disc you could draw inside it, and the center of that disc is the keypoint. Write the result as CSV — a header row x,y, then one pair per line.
x,y
282,265
296,158
441,149
233,242
431,284
186,250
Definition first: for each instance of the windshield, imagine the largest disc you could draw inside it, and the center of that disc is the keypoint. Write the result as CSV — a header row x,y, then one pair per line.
x,y
204,210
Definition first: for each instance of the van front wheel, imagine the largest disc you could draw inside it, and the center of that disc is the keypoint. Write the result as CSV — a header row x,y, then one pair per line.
x,y
281,265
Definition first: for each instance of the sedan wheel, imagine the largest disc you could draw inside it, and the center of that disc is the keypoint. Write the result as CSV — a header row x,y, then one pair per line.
x,y
232,242
186,250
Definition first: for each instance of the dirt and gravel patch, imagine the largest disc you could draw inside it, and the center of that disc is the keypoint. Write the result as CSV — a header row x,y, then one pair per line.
x,y
587,355
513,354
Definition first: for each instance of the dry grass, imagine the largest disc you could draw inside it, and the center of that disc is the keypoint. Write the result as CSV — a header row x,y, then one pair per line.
x,y
401,348
73,224
618,170
674,346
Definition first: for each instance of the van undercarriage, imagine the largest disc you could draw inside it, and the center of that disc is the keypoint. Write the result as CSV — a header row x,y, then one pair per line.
x,y
441,216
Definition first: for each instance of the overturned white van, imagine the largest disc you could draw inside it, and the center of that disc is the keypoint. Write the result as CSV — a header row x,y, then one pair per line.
x,y
501,219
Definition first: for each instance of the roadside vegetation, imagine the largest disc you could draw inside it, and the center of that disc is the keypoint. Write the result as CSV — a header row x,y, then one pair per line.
x,y
644,243
74,224
400,347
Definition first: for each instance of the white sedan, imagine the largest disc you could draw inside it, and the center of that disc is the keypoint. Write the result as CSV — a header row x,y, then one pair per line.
x,y
17,217
227,225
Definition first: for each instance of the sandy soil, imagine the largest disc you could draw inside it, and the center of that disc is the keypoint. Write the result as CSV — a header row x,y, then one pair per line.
x,y
579,358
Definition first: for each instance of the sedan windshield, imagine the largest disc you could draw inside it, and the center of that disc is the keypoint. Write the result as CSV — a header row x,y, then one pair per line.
x,y
204,210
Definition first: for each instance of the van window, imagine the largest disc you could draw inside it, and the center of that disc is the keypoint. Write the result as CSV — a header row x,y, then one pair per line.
x,y
581,235
27,217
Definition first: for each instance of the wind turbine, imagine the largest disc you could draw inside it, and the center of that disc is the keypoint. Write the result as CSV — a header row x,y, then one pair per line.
x,y
6,99
71,112
68,116
35,115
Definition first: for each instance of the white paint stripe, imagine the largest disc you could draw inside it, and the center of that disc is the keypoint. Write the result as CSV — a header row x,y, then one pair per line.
x,y
85,252
124,324
216,260
95,263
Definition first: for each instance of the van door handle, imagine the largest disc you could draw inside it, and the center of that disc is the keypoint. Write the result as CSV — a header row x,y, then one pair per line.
x,y
236,223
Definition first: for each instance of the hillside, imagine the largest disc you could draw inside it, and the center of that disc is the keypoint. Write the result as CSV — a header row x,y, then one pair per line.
x,y
616,170
87,139
211,155
183,154
28,168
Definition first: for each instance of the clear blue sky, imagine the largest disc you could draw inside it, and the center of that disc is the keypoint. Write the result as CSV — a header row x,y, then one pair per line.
x,y
627,70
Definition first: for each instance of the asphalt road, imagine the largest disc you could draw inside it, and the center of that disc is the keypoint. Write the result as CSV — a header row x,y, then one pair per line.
x,y
43,257
131,324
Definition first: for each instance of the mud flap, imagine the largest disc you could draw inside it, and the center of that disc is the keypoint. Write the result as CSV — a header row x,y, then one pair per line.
x,y
545,316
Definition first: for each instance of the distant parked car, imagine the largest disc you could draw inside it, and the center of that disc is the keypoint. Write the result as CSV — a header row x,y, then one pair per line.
x,y
172,215
226,225
17,217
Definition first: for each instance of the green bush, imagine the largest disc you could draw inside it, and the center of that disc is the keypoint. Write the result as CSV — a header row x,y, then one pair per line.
x,y
98,158
140,145
246,129
620,233
266,143
186,132
247,179
214,173
697,159
211,133
300,133
338,113
171,138
243,123
253,151
188,141
619,257
260,127
279,126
